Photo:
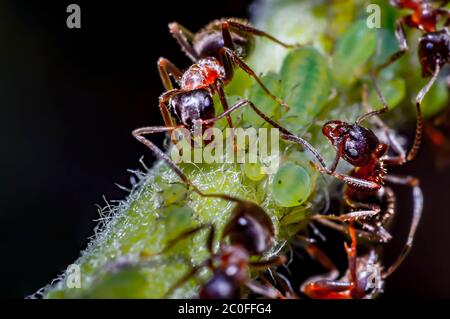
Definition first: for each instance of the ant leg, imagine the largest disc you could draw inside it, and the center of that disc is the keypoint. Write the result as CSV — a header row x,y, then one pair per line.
x,y
324,285
417,214
188,233
357,183
183,280
195,269
183,36
167,68
223,100
365,102
401,39
283,282
227,53
419,124
139,135
251,30
163,98
286,135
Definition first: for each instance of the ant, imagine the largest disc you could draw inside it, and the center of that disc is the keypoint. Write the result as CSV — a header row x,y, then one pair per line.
x,y
364,277
433,49
250,232
214,51
364,190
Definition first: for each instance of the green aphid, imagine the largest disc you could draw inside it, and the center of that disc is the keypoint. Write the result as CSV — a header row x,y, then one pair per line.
x,y
291,185
174,194
306,86
254,171
353,50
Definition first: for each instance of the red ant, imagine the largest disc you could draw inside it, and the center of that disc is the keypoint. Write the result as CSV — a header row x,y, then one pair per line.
x,y
433,49
214,51
363,279
250,232
365,193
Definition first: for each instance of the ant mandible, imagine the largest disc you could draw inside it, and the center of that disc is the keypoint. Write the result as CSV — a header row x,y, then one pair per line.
x,y
250,233
433,49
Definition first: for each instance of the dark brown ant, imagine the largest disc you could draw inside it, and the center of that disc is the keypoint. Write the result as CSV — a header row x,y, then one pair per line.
x,y
214,50
433,49
250,233
364,277
365,193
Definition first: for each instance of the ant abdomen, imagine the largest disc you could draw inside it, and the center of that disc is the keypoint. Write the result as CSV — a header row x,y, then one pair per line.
x,y
220,286
193,106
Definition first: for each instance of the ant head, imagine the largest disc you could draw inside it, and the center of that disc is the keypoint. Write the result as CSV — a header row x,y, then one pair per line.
x,y
209,41
192,106
357,143
250,227
433,49
220,286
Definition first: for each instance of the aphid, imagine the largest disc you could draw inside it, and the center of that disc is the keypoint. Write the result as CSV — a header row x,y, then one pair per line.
x,y
365,193
291,185
250,233
433,49
364,277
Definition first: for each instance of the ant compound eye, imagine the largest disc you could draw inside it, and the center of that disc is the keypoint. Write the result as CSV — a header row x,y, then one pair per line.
x,y
352,152
429,46
291,185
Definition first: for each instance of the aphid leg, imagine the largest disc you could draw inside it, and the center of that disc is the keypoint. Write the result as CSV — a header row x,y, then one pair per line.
x,y
167,69
282,282
417,214
227,53
401,39
419,124
251,30
184,38
139,135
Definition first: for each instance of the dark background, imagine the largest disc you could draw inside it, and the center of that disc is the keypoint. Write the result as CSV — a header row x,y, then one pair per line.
x,y
69,100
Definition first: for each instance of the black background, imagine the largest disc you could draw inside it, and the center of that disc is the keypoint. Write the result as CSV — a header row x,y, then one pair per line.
x,y
69,100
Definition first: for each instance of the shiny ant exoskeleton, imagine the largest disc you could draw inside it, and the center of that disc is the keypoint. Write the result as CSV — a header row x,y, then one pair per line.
x,y
364,277
371,202
215,50
433,49
250,233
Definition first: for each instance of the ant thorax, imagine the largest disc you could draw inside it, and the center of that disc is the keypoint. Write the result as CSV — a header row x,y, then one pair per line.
x,y
202,74
424,18
233,261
